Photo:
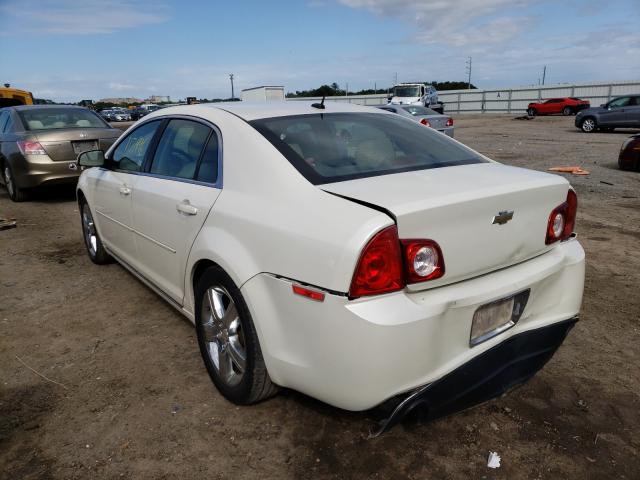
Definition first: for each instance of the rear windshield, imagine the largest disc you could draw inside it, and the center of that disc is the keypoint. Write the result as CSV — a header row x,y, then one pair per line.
x,y
418,110
334,147
52,118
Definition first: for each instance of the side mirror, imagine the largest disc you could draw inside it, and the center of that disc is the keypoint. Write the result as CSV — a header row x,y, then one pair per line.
x,y
91,158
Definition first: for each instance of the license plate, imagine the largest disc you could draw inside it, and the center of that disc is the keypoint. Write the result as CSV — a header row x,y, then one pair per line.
x,y
79,147
494,318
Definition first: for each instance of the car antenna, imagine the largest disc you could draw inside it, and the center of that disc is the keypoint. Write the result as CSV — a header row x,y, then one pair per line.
x,y
319,105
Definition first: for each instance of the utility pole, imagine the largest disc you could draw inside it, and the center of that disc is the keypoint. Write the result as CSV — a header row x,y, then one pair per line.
x,y
468,68
544,73
396,82
232,92
346,92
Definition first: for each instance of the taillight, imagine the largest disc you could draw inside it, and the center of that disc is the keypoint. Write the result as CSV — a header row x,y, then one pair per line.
x,y
423,260
387,264
425,122
562,219
379,269
449,122
31,148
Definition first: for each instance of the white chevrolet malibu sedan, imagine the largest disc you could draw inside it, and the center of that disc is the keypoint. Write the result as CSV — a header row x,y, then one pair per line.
x,y
341,251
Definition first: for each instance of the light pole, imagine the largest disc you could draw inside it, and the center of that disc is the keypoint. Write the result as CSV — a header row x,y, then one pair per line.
x,y
232,93
468,64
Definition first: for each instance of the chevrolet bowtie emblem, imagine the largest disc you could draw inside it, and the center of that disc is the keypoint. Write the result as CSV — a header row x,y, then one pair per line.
x,y
502,217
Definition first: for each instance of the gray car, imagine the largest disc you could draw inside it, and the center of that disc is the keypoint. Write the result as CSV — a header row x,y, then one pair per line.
x,y
621,112
423,115
39,144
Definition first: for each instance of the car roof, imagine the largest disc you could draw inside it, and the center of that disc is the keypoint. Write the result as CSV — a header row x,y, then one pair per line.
x,y
31,107
252,111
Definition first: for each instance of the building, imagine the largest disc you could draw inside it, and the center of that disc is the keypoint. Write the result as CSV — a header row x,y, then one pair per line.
x,y
263,94
158,99
121,100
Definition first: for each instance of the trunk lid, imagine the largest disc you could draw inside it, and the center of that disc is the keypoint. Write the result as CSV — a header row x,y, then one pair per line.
x,y
456,206
65,144
438,122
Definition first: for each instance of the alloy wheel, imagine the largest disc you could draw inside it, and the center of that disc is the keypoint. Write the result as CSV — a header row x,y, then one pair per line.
x,y
223,335
89,228
588,125
8,181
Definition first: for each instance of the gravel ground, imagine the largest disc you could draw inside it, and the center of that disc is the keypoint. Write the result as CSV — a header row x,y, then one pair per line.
x,y
102,379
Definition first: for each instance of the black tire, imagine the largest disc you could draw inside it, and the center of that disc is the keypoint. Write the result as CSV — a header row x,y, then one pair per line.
x,y
531,112
253,383
588,125
16,193
92,241
566,111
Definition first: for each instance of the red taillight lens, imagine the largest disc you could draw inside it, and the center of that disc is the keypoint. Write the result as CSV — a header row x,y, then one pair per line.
x,y
423,260
379,269
449,122
425,122
31,148
562,219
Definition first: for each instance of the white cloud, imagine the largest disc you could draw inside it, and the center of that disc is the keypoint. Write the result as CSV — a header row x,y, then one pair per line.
x,y
78,17
456,23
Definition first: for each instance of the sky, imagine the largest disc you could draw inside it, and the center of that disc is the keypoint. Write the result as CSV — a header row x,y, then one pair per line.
x,y
69,50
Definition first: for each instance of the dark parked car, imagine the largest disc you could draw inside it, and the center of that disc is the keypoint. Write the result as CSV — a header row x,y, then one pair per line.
x,y
138,113
565,106
621,112
629,158
39,144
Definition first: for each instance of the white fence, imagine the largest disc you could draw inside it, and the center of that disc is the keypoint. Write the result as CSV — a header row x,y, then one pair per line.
x,y
506,100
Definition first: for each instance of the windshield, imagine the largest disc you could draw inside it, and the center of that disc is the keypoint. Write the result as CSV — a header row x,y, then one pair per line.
x,y
418,110
333,147
407,91
52,118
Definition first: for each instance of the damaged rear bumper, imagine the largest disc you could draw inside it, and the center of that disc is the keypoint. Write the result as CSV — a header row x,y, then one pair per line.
x,y
486,376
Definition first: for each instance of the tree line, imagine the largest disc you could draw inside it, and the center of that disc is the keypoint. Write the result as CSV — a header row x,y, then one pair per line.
x,y
334,90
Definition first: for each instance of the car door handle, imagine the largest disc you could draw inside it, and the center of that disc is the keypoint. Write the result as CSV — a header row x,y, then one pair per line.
x,y
124,190
186,208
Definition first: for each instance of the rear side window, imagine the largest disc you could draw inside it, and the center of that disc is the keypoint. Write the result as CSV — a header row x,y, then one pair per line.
x,y
180,148
333,147
208,169
129,154
4,116
418,110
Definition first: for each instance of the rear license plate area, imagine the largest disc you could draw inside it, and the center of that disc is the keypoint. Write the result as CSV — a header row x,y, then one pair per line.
x,y
84,146
496,317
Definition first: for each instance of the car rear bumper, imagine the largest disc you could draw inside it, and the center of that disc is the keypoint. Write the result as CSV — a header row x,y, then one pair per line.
x,y
355,354
486,376
447,131
39,170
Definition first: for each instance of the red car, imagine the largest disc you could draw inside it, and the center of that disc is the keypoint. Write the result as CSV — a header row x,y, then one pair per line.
x,y
565,106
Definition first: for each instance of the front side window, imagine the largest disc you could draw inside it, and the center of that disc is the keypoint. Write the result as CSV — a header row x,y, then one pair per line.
x,y
54,118
619,102
180,148
129,154
334,147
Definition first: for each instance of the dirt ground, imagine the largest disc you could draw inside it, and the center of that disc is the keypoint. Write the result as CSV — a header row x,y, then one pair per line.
x,y
128,395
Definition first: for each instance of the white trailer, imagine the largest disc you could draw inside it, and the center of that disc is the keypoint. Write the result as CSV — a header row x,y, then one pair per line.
x,y
263,94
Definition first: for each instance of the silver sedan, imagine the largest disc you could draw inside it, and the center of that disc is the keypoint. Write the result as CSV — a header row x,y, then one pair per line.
x,y
423,115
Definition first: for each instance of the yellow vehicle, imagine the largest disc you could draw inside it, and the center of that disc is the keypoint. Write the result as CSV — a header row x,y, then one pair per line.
x,y
10,97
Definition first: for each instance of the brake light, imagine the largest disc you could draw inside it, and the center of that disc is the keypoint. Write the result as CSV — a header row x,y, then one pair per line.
x,y
31,148
562,219
425,122
449,122
387,264
423,260
379,269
